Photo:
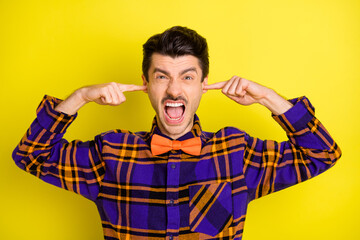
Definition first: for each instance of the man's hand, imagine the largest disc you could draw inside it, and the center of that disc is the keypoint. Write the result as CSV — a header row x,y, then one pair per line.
x,y
246,92
104,94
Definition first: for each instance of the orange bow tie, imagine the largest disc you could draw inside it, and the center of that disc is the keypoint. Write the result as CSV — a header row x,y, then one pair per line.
x,y
160,145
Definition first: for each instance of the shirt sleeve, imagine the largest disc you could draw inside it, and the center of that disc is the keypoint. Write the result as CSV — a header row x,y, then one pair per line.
x,y
75,166
270,166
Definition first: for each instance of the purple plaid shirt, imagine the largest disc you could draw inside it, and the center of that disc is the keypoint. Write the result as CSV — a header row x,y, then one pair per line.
x,y
175,195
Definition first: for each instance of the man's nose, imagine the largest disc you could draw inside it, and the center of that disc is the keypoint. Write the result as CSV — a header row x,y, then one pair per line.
x,y
174,88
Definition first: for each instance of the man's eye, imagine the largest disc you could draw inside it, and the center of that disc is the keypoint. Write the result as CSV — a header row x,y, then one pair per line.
x,y
188,78
161,77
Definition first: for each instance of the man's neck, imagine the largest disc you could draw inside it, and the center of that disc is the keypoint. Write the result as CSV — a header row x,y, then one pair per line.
x,y
175,134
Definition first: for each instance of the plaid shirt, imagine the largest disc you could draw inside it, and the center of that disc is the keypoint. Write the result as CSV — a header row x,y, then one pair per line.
x,y
175,195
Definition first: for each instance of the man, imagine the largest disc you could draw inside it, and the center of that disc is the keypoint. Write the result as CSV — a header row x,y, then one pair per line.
x,y
176,181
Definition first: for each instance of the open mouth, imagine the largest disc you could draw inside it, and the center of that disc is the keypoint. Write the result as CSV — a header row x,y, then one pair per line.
x,y
174,111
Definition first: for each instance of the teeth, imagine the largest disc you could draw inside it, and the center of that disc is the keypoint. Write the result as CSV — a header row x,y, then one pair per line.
x,y
174,118
174,104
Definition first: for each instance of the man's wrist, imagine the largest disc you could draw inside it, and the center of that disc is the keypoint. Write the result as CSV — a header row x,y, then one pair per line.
x,y
275,103
72,104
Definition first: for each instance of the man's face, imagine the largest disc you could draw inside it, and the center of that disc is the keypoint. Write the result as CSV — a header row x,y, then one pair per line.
x,y
175,90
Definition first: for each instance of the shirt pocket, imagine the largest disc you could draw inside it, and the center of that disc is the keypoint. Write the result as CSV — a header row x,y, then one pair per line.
x,y
210,208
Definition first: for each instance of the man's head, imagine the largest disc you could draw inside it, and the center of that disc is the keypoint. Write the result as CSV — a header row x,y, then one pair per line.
x,y
175,69
174,42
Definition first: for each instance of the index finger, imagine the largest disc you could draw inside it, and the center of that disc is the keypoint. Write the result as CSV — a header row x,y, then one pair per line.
x,y
133,87
218,85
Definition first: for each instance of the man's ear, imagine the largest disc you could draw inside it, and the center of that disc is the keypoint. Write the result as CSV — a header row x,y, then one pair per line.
x,y
204,83
145,83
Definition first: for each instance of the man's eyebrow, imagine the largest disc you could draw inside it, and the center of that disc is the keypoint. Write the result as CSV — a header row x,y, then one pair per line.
x,y
160,70
181,73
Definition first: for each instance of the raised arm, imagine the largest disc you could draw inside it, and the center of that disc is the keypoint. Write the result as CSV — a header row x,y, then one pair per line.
x,y
246,92
76,166
268,165
104,94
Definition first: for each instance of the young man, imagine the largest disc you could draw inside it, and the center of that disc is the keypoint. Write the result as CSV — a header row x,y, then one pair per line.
x,y
176,181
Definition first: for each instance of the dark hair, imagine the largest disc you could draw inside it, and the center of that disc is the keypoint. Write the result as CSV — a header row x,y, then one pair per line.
x,y
174,42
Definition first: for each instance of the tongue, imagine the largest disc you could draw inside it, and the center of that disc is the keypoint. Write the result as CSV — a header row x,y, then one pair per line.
x,y
174,112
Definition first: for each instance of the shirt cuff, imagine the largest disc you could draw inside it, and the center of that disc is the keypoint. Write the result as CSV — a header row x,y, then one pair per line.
x,y
297,117
50,119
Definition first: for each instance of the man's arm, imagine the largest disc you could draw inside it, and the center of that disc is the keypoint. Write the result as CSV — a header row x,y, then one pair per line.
x,y
268,165
104,94
246,92
75,166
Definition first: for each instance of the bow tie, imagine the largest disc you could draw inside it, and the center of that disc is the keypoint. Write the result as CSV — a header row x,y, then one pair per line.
x,y
160,145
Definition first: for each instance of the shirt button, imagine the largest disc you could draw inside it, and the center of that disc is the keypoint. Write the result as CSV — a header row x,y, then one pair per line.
x,y
171,238
172,202
173,166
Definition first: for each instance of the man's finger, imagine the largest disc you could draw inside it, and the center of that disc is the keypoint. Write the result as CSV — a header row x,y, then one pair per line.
x,y
218,85
132,87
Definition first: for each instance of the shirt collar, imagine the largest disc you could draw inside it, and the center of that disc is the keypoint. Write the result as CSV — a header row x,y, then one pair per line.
x,y
194,132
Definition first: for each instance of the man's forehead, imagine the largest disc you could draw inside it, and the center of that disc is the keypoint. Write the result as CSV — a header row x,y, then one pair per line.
x,y
171,64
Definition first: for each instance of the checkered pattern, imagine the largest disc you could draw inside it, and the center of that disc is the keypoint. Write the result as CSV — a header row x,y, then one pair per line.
x,y
175,195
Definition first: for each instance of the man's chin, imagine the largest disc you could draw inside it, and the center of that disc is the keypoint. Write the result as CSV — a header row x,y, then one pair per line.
x,y
175,128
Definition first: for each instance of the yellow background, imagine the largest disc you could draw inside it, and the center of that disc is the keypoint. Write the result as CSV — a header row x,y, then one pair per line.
x,y
295,47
